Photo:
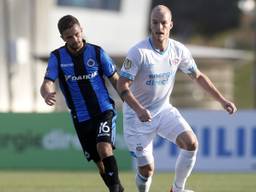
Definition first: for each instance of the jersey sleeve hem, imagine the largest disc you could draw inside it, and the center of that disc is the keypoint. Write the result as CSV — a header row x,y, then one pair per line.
x,y
126,75
112,74
48,78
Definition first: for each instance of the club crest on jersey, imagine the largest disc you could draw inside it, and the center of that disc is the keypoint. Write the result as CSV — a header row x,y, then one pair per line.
x,y
127,64
139,148
90,63
174,61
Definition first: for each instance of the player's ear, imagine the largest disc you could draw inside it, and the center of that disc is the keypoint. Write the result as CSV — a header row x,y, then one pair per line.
x,y
171,25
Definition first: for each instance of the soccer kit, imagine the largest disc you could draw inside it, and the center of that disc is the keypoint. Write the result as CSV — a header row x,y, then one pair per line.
x,y
82,84
153,75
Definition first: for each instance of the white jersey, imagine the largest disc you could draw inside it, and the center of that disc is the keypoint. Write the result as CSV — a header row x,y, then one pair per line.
x,y
153,73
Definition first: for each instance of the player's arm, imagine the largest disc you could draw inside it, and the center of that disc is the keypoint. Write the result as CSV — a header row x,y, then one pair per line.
x,y
209,87
123,87
113,80
47,91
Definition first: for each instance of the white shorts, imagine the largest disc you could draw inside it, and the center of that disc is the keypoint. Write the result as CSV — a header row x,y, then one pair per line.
x,y
139,135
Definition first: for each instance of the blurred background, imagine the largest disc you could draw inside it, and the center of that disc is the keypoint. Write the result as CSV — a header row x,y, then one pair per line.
x,y
220,34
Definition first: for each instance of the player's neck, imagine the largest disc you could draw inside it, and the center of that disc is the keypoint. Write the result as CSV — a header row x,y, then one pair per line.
x,y
76,51
158,45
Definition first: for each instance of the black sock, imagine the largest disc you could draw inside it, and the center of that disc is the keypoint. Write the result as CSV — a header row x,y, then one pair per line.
x,y
111,170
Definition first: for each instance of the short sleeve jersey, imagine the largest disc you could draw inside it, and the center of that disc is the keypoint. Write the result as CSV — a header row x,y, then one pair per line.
x,y
81,80
153,73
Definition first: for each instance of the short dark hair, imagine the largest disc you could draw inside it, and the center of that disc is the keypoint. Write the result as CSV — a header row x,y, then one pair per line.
x,y
67,22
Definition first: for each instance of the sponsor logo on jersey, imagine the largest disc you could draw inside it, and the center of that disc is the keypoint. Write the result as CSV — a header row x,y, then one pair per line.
x,y
158,79
90,63
81,77
127,64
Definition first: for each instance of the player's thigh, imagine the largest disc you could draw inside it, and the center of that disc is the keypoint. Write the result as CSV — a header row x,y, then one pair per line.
x,y
172,124
97,130
87,136
106,127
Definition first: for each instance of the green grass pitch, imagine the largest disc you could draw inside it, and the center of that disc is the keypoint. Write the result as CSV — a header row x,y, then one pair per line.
x,y
63,181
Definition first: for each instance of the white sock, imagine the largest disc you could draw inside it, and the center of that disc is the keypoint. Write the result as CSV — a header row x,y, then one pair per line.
x,y
143,183
184,165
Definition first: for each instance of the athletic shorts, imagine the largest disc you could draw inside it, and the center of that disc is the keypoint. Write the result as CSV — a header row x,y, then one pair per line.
x,y
139,135
99,129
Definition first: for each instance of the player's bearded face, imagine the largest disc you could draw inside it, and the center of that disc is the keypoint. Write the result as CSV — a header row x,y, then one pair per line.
x,y
73,37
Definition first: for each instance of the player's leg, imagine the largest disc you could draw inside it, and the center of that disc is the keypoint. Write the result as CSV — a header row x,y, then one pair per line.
x,y
188,144
101,169
144,177
87,134
110,167
175,129
104,140
141,147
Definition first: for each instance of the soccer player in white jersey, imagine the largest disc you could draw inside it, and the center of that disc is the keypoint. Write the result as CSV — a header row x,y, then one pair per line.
x,y
146,82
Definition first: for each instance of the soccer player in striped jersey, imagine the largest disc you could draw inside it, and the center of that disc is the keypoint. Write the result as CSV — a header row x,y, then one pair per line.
x,y
145,84
80,67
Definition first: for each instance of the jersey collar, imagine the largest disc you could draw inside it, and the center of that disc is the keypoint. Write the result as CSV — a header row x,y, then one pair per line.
x,y
155,49
79,52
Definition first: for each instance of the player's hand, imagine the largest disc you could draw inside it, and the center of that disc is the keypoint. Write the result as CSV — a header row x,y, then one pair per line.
x,y
50,98
144,115
229,107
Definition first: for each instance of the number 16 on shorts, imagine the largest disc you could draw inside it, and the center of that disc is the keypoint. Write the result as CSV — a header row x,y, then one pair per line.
x,y
104,129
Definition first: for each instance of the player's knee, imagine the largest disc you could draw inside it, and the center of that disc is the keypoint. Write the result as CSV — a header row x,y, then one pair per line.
x,y
192,145
187,141
104,149
146,165
147,170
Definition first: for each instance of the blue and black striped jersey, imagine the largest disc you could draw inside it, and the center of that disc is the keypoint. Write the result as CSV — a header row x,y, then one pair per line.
x,y
81,79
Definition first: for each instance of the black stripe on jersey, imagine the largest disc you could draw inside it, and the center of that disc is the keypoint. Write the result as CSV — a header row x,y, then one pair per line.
x,y
97,51
62,81
85,86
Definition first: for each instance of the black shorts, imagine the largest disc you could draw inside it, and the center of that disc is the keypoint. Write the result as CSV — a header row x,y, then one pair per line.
x,y
99,129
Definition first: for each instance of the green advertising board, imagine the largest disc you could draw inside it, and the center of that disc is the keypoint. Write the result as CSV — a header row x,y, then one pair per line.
x,y
48,141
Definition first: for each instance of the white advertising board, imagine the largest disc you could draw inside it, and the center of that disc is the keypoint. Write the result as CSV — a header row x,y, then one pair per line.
x,y
227,143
